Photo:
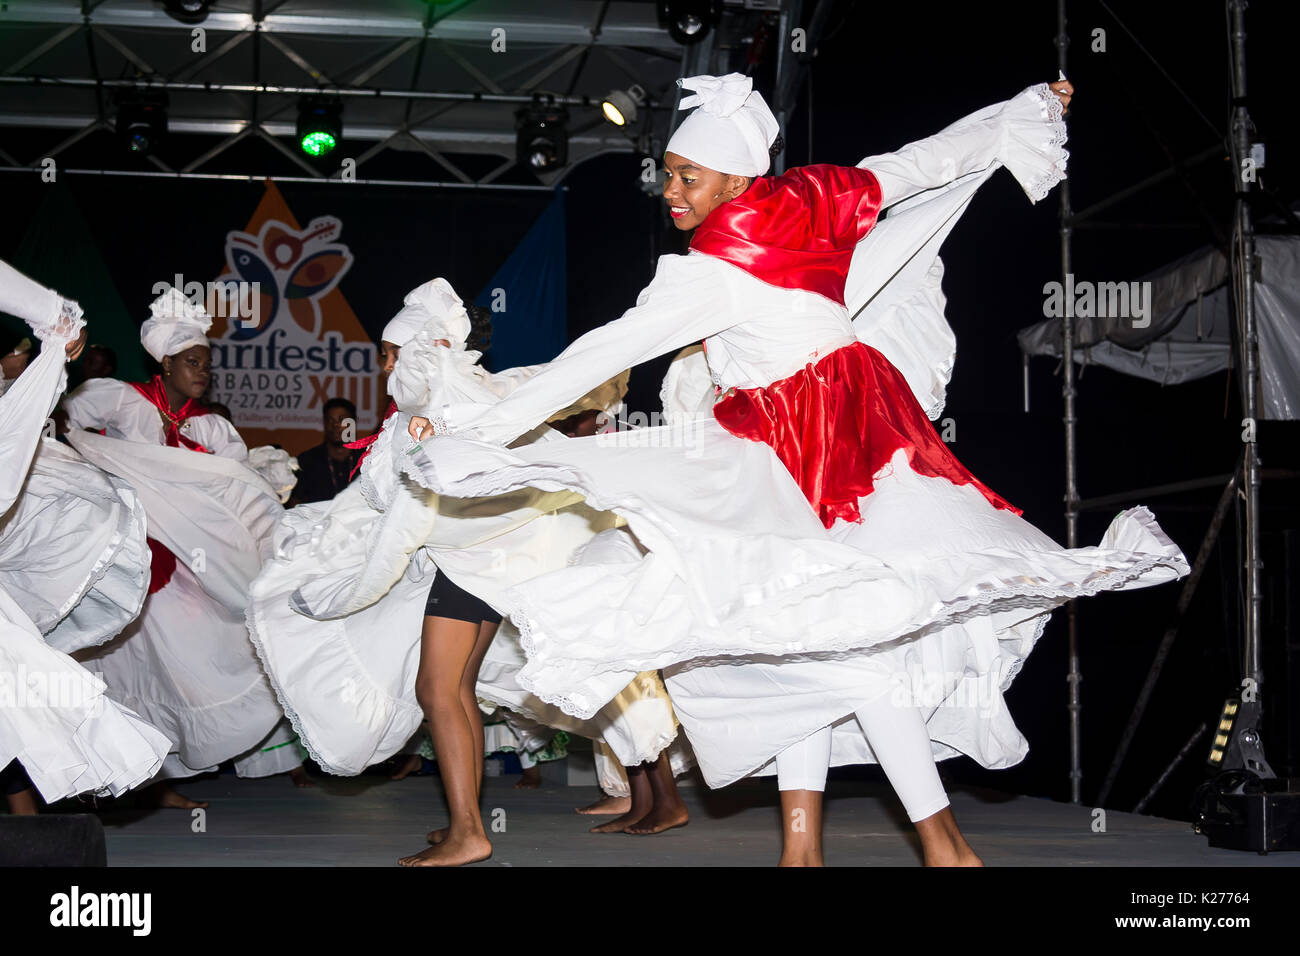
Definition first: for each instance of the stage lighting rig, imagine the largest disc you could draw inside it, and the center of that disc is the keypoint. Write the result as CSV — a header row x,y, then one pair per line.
x,y
619,106
188,12
542,143
141,119
320,124
689,21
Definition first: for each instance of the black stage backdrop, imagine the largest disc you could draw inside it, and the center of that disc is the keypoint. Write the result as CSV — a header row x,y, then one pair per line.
x,y
886,74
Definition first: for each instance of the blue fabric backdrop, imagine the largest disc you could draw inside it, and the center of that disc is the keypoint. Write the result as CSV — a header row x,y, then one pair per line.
x,y
532,327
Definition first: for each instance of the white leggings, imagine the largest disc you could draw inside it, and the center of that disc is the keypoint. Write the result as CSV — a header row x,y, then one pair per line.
x,y
901,743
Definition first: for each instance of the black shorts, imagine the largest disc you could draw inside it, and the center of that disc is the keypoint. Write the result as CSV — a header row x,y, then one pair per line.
x,y
447,600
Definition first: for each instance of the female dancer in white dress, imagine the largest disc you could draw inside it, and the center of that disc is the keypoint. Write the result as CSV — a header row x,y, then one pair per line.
x,y
823,582
72,552
337,614
187,662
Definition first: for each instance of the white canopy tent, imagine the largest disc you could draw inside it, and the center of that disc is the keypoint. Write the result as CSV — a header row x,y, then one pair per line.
x,y
1189,335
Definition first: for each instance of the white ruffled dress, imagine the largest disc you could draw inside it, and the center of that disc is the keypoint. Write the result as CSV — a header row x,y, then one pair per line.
x,y
337,611
73,570
767,624
186,663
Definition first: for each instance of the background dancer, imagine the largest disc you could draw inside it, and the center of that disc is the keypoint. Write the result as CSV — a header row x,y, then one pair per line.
x,y
59,735
187,662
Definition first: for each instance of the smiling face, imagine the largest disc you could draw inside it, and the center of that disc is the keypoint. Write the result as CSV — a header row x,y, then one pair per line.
x,y
189,372
693,191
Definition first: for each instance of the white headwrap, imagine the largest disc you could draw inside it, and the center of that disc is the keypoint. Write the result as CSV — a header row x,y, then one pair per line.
x,y
731,131
277,467
177,324
434,306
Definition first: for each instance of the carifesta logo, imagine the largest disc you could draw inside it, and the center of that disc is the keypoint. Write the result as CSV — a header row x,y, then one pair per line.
x,y
292,268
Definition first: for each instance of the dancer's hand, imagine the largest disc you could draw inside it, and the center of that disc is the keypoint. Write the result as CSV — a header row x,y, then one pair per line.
x,y
73,348
1063,89
419,427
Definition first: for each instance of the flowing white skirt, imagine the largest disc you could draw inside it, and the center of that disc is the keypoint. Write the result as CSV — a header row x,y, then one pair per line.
x,y
187,663
56,719
768,625
337,614
73,549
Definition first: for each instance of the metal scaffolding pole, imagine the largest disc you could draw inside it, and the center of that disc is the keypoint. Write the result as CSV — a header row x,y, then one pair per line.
x,y
1074,677
1243,268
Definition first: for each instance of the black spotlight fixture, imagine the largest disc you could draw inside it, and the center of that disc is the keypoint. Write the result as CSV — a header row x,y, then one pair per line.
x,y
689,21
542,143
320,124
141,119
187,11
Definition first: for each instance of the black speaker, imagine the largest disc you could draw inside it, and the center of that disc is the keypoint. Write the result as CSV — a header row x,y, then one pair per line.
x,y
1238,811
52,839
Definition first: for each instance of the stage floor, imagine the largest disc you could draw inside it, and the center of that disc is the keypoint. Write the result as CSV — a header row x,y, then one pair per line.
x,y
371,821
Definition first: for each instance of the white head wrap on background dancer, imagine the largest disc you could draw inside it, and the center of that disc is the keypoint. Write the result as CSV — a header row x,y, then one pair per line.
x,y
434,306
433,313
731,131
176,325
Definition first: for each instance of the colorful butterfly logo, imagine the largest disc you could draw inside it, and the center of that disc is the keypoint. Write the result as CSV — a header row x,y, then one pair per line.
x,y
292,268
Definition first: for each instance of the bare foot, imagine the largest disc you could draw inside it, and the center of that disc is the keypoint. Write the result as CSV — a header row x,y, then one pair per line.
x,y
531,780
808,859
162,795
660,819
620,824
408,767
299,777
959,855
454,851
437,836
607,806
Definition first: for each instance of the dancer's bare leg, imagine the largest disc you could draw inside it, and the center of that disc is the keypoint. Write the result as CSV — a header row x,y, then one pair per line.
x,y
531,778
606,806
942,843
668,810
469,701
801,828
642,801
299,778
23,803
449,654
901,742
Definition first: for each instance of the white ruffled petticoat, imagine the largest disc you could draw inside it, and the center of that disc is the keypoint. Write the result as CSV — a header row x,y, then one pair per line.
x,y
73,550
337,612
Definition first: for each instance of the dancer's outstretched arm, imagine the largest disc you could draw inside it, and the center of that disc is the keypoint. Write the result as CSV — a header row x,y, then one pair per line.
x,y
688,300
1023,133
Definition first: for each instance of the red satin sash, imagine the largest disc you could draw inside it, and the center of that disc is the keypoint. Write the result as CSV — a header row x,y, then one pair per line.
x,y
797,230
162,563
365,443
835,424
156,395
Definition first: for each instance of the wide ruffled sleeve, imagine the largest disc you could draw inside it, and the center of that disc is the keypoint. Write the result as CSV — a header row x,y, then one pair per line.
x,y
894,290
26,404
1026,134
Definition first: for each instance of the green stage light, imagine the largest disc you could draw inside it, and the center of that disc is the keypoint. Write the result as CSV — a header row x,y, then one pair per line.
x,y
318,143
320,125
